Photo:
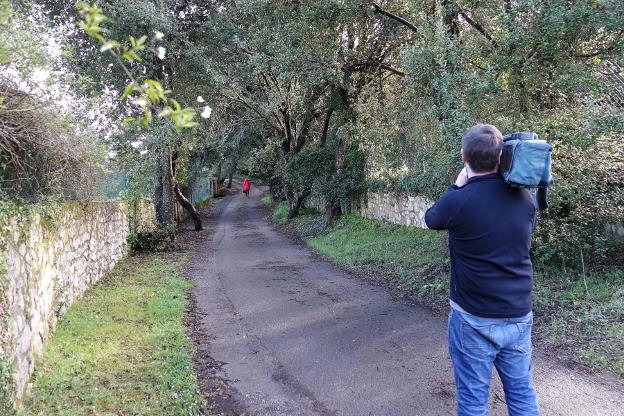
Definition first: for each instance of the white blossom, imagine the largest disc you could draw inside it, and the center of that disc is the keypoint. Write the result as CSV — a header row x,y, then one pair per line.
x,y
200,99
112,154
136,144
142,101
41,75
207,111
106,46
161,52
143,152
159,35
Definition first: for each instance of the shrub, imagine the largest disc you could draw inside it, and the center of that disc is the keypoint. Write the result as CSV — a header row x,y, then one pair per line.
x,y
159,240
38,157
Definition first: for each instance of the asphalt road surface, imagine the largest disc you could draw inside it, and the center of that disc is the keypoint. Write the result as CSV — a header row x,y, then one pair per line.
x,y
297,335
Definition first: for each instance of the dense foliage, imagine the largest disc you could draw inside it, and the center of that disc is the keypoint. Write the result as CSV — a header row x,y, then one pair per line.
x,y
400,81
323,99
553,68
294,71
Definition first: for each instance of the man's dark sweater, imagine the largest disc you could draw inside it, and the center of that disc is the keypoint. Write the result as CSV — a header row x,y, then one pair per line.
x,y
490,226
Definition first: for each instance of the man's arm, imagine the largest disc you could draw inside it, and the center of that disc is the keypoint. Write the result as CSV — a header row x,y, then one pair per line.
x,y
439,216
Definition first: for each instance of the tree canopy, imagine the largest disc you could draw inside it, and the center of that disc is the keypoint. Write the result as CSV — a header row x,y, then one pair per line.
x,y
333,97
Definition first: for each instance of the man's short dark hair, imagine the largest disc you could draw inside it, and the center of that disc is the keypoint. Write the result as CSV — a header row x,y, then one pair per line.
x,y
482,145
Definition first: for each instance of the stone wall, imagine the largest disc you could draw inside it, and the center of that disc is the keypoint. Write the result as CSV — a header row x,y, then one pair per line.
x,y
50,261
389,207
144,216
402,209
394,208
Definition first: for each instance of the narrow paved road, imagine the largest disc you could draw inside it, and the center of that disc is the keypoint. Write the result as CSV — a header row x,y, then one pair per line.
x,y
299,336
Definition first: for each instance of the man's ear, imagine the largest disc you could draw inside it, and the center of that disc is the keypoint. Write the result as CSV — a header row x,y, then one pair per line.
x,y
463,156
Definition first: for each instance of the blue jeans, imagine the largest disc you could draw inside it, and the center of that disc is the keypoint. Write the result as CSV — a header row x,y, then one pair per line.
x,y
475,344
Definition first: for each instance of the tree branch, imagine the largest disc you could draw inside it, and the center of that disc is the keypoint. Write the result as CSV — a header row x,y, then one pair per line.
x,y
380,10
390,69
595,53
244,102
478,28
326,127
364,65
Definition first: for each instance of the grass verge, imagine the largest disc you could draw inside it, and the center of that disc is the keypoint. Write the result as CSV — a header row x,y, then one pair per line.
x,y
577,325
122,349
203,202
583,325
280,214
411,259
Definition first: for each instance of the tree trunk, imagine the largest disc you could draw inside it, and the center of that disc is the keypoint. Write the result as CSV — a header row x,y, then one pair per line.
x,y
231,174
186,204
218,175
332,212
158,199
323,140
189,207
163,193
332,207
294,203
229,184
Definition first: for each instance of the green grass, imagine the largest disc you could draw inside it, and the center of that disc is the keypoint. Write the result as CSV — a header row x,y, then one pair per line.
x,y
584,325
122,349
413,260
581,328
267,200
280,214
203,202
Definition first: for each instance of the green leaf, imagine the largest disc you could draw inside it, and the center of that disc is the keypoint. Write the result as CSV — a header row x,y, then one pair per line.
x,y
147,112
129,90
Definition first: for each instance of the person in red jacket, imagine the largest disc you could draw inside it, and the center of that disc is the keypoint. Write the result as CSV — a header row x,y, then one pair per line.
x,y
246,187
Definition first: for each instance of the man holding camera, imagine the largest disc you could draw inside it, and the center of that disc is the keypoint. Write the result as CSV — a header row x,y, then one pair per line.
x,y
490,226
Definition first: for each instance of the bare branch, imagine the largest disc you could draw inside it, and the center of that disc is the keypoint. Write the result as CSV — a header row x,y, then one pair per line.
x,y
393,70
39,156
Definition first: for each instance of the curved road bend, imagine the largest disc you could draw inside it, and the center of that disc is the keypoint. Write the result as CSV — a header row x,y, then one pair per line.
x,y
299,336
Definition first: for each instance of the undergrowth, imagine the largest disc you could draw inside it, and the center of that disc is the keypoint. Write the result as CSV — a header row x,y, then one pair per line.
x,y
122,349
280,214
582,324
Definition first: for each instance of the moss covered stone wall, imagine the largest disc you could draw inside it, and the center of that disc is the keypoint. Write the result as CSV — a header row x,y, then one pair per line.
x,y
49,261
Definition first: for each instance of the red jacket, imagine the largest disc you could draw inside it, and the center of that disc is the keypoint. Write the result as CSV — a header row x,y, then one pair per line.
x,y
246,185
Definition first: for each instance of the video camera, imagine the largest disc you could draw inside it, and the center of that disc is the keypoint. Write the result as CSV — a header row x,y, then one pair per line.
x,y
526,163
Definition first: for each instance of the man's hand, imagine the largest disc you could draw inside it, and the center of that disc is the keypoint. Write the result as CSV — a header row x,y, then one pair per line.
x,y
462,178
